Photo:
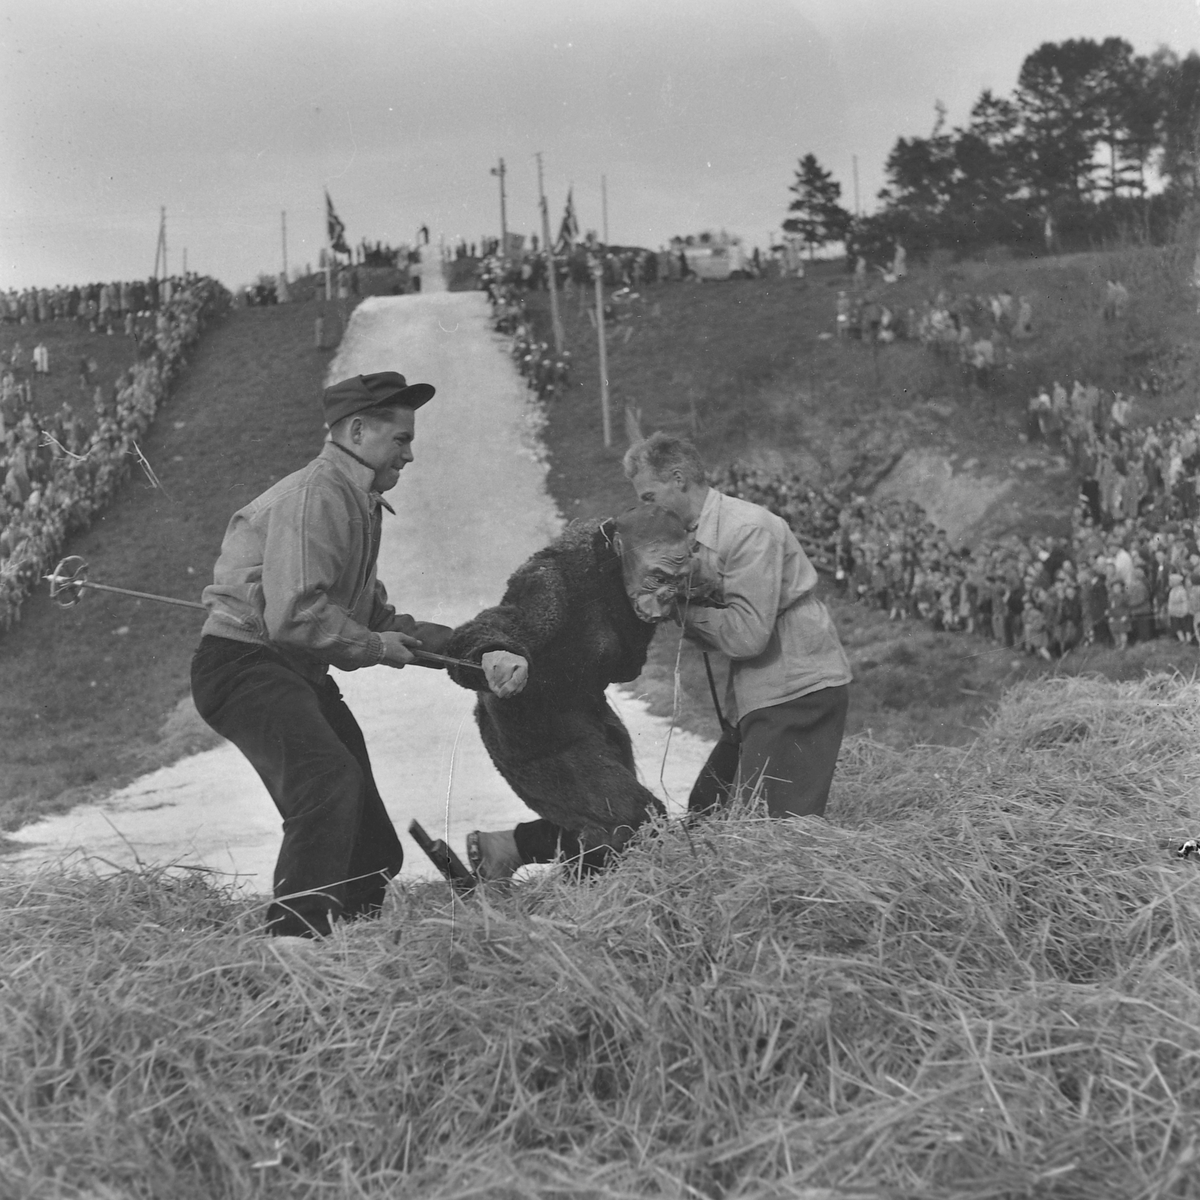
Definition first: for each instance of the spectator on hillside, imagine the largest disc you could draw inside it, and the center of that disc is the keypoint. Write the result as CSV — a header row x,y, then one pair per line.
x,y
1178,611
1023,326
1193,591
1119,620
1116,300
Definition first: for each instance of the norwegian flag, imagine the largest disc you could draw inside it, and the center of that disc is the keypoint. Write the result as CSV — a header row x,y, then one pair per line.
x,y
568,231
335,229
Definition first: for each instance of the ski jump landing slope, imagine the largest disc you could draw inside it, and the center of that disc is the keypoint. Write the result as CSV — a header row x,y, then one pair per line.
x,y
470,509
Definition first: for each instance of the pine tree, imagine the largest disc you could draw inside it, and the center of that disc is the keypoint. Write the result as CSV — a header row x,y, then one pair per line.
x,y
819,218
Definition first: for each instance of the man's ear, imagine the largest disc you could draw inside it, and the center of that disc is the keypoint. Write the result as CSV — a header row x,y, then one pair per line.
x,y
618,543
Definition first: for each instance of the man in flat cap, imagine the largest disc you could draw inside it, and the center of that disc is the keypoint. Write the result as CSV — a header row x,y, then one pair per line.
x,y
294,592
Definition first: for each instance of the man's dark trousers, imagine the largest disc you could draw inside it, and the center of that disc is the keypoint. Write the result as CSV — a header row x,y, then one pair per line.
x,y
788,750
339,845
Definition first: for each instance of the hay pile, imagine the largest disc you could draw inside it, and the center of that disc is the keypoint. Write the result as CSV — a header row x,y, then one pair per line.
x,y
978,980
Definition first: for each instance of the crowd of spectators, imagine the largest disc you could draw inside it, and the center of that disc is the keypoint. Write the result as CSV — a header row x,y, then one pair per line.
x,y
546,373
103,307
1129,572
971,330
57,475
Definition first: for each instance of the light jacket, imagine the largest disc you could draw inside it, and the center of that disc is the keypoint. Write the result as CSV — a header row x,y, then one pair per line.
x,y
779,636
297,571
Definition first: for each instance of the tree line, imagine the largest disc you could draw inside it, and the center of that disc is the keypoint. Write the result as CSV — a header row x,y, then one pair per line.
x,y
1095,143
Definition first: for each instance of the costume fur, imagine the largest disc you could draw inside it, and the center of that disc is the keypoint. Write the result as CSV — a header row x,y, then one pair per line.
x,y
559,745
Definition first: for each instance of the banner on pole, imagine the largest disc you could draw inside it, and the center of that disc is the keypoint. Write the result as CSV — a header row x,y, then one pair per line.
x,y
568,231
335,229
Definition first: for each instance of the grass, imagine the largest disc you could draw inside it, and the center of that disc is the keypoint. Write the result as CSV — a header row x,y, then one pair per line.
x,y
67,343
740,368
94,695
979,979
738,365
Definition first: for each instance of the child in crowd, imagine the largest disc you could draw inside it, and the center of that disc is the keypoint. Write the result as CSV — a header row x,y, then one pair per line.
x,y
1194,605
1178,612
1119,618
1036,638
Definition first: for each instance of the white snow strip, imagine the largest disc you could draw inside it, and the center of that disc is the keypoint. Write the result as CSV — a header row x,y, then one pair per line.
x,y
470,509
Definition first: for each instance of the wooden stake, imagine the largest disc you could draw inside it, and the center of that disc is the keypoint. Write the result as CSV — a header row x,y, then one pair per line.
x,y
551,281
605,416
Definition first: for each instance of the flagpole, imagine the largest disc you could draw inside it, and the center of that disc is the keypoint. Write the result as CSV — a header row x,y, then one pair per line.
x,y
550,273
605,416
604,205
283,216
328,251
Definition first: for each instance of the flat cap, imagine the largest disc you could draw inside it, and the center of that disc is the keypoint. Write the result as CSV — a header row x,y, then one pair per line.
x,y
382,389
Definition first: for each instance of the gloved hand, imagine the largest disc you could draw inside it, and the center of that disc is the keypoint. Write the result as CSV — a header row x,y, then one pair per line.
x,y
506,673
396,652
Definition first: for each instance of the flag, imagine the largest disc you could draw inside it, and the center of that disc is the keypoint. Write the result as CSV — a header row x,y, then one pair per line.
x,y
568,231
335,230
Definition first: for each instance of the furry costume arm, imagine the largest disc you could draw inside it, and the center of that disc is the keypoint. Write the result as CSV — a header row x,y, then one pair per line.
x,y
532,611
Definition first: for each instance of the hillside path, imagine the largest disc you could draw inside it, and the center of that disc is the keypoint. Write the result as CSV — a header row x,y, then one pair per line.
x,y
469,510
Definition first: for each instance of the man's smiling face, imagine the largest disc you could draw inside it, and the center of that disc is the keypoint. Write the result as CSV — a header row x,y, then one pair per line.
x,y
385,444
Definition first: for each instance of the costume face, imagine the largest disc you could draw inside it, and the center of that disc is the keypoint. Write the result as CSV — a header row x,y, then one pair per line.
x,y
656,575
385,443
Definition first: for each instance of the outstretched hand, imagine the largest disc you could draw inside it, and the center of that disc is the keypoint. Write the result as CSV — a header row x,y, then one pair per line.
x,y
396,652
506,673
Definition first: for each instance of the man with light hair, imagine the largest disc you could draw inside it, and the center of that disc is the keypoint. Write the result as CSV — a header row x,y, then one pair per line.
x,y
789,677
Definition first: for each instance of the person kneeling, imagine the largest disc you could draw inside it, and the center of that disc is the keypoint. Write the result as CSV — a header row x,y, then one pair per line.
x,y
582,613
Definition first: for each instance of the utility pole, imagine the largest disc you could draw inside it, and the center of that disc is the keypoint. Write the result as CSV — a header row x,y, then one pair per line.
x,y
551,281
604,211
857,211
283,216
500,171
160,250
605,416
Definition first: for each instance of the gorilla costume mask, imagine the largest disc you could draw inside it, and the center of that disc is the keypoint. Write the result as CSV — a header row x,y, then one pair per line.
x,y
656,562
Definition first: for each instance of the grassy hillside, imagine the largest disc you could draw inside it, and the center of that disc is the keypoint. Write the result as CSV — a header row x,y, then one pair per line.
x,y
979,979
741,367
91,696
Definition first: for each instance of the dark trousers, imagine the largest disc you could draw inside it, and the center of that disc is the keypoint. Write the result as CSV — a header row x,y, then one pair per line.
x,y
788,750
339,846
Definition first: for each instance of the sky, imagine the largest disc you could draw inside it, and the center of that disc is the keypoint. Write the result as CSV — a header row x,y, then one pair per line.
x,y
230,113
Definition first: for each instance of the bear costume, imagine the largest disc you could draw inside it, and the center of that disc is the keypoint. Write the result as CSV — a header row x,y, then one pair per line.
x,y
558,743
